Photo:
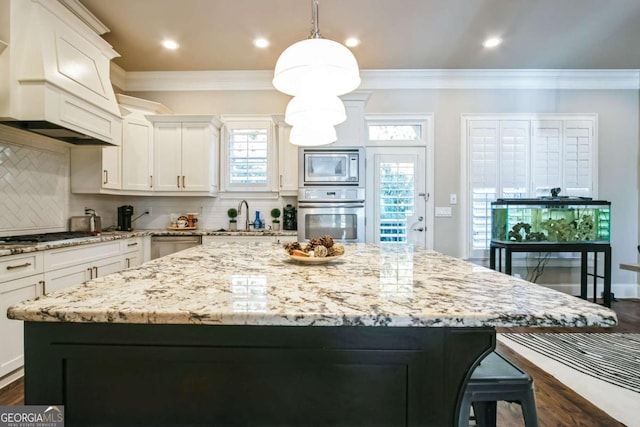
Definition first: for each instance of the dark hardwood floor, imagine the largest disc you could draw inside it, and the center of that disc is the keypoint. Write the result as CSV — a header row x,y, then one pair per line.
x,y
557,404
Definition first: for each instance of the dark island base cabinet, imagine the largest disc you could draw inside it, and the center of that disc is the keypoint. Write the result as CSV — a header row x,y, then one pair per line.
x,y
194,375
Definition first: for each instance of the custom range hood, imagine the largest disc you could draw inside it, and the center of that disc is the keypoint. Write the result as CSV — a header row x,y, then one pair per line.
x,y
54,72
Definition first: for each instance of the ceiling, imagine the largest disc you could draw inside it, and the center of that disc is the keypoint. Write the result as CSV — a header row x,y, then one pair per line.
x,y
395,34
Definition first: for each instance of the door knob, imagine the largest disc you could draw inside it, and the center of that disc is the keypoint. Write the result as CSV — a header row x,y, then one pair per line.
x,y
418,229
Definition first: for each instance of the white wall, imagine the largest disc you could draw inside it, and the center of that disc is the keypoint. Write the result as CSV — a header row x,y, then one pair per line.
x,y
619,134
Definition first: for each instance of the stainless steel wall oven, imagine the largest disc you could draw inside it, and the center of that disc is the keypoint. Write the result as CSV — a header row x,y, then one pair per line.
x,y
338,212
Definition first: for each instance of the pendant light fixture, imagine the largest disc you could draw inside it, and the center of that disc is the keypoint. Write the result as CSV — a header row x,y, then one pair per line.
x,y
315,72
316,65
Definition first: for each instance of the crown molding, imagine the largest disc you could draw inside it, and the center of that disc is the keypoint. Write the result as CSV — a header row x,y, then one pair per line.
x,y
138,81
85,15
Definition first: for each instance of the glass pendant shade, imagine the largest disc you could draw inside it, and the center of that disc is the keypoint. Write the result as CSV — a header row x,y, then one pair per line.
x,y
311,136
314,111
316,66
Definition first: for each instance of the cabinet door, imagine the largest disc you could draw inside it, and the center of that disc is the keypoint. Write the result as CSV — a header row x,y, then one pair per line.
x,y
111,168
107,266
167,148
137,155
66,277
196,152
132,260
287,163
11,350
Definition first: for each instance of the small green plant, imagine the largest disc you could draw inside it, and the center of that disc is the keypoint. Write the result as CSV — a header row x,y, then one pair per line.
x,y
275,214
232,213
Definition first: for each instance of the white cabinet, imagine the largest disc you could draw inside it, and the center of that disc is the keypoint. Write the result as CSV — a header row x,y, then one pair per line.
x,y
74,265
352,132
95,169
137,142
186,154
132,250
287,160
137,154
21,278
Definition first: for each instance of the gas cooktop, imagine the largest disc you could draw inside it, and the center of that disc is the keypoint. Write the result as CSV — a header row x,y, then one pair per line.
x,y
27,239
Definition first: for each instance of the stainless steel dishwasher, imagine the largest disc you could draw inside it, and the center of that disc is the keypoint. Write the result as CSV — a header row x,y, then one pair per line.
x,y
165,245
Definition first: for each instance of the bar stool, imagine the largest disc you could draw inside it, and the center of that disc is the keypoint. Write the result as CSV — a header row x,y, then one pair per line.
x,y
495,378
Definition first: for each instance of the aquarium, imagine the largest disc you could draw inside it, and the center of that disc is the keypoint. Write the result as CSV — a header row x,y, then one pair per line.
x,y
550,220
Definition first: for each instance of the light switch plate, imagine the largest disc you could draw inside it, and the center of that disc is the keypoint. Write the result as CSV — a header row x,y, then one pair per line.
x,y
443,211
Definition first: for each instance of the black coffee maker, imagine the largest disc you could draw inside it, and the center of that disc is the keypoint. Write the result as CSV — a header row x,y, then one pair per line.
x,y
124,217
290,218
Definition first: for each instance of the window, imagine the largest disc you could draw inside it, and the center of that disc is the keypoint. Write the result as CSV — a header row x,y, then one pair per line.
x,y
396,194
523,157
398,132
248,150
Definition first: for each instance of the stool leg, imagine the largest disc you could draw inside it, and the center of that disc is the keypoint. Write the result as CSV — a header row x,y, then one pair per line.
x,y
529,411
485,413
465,412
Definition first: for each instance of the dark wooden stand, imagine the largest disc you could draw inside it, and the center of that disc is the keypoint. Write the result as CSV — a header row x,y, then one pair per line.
x,y
583,248
194,375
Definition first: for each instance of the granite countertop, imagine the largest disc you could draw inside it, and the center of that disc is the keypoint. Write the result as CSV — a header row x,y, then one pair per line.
x,y
108,236
256,284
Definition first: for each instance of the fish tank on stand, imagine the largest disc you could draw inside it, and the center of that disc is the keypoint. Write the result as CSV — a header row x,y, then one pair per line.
x,y
554,224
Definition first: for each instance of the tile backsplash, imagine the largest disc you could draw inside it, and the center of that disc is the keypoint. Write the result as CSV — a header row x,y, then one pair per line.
x,y
34,188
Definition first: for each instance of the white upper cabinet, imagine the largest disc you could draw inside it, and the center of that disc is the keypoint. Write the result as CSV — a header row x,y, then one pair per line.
x,y
186,154
137,142
351,132
95,170
287,160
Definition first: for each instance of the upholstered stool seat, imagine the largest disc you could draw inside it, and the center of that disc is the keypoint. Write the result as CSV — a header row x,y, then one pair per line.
x,y
496,378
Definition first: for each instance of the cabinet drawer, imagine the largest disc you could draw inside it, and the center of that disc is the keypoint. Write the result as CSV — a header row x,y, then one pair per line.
x,y
131,245
17,266
65,257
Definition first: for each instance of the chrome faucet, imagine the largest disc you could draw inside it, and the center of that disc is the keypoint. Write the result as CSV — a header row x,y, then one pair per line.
x,y
246,222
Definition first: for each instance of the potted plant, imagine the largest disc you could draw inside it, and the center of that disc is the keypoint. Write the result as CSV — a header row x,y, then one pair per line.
x,y
232,213
275,214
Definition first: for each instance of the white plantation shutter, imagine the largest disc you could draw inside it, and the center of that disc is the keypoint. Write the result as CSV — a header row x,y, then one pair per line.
x,y
483,155
578,157
514,158
547,156
524,158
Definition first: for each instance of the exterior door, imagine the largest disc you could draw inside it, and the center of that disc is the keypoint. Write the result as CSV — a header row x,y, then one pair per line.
x,y
396,195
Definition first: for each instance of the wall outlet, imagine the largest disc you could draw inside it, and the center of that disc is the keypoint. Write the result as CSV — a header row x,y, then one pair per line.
x,y
453,198
146,210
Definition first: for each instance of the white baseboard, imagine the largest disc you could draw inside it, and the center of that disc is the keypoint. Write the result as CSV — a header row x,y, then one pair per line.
x,y
620,290
9,378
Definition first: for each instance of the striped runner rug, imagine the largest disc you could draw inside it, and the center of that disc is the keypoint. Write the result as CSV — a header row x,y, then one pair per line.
x,y
612,357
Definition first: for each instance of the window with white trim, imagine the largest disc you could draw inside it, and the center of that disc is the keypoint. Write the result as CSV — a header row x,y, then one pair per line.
x,y
247,149
522,157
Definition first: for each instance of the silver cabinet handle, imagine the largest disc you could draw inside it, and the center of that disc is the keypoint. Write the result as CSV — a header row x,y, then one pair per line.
x,y
90,270
96,270
183,182
128,262
132,244
44,287
178,181
13,267
150,181
106,176
280,181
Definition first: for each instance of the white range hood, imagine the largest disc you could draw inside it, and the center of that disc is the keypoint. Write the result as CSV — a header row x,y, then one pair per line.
x,y
54,74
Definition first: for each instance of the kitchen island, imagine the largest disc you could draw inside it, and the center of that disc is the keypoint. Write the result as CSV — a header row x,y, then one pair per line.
x,y
231,334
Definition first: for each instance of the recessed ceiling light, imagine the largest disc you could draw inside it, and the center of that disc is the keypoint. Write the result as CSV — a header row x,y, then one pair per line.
x,y
352,42
261,43
491,42
170,44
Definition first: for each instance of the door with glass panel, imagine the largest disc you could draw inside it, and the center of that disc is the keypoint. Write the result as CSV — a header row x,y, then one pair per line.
x,y
396,195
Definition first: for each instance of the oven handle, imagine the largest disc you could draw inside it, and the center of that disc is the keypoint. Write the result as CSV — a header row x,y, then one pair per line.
x,y
330,205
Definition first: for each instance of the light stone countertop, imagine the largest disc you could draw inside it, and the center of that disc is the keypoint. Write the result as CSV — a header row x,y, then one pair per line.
x,y
256,284
6,250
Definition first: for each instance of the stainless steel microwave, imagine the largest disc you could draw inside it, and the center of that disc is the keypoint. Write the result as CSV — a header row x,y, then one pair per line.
x,y
333,166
